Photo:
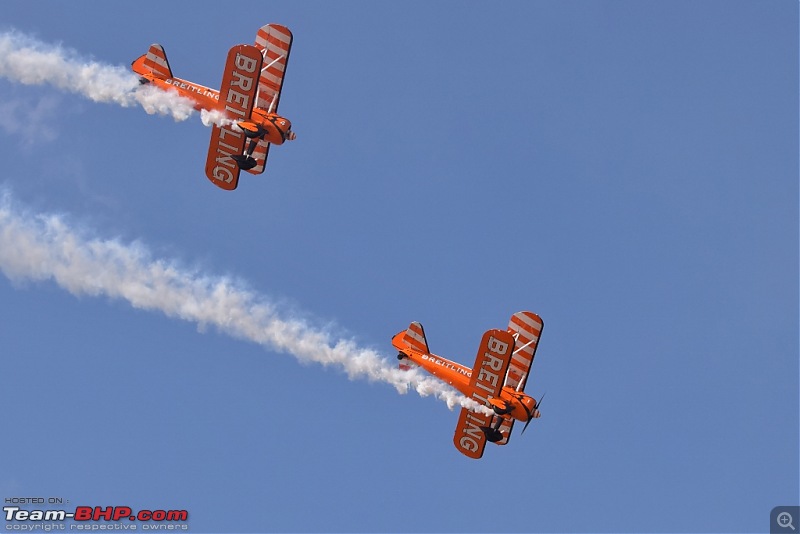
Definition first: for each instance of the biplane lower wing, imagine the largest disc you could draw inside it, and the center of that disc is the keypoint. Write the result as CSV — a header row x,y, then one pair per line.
x,y
221,169
238,94
526,327
469,439
486,381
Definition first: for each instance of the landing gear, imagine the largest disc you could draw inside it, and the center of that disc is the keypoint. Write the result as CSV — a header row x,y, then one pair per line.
x,y
493,433
246,161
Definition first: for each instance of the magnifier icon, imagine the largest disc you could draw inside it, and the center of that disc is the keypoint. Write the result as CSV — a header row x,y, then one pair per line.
x,y
785,520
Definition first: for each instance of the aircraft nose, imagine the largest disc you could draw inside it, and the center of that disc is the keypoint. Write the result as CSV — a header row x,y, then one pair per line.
x,y
291,136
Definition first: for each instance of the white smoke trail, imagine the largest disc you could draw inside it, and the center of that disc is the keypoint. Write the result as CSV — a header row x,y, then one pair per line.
x,y
215,117
25,60
45,247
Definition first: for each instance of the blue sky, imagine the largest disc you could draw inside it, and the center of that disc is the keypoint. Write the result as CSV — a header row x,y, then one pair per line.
x,y
627,170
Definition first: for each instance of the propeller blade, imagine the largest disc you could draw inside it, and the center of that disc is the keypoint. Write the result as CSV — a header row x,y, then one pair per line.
x,y
530,415
526,426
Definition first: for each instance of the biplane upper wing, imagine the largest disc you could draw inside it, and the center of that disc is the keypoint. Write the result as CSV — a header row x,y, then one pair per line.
x,y
526,327
238,93
275,43
488,376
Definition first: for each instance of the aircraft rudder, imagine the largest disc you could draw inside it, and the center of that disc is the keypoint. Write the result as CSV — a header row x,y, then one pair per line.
x,y
153,62
415,338
410,340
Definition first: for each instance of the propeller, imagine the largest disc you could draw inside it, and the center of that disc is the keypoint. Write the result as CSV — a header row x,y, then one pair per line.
x,y
531,414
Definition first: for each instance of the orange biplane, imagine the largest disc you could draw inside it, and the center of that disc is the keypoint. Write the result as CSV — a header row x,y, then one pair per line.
x,y
249,97
497,380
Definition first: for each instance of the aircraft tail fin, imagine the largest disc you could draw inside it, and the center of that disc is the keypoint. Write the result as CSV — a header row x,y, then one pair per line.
x,y
414,339
154,62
